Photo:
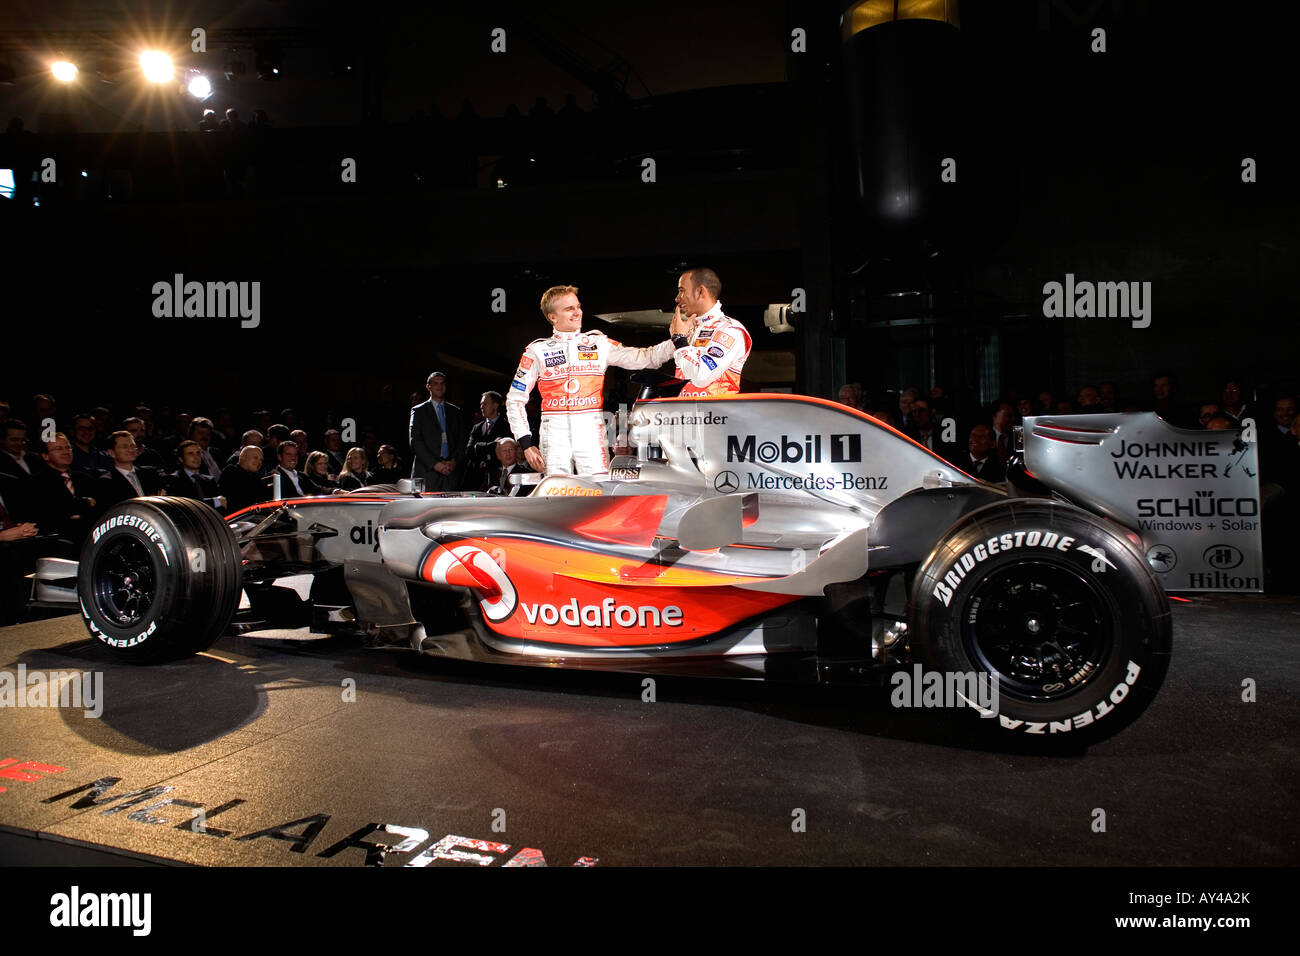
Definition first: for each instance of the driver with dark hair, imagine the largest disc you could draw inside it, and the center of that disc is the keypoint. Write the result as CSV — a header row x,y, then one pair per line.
x,y
711,346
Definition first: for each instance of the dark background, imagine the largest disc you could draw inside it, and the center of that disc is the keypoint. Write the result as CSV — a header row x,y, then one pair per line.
x,y
816,170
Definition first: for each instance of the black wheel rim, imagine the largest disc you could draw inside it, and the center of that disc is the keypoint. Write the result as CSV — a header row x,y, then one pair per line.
x,y
124,583
1040,628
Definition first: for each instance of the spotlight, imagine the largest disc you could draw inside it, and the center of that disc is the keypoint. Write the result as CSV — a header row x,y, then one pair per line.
x,y
157,66
64,71
269,62
199,86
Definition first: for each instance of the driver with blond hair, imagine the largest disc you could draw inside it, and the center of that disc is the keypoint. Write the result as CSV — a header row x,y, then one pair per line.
x,y
568,369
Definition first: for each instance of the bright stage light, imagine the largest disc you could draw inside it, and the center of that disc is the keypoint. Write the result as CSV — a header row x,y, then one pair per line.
x,y
64,71
200,86
157,66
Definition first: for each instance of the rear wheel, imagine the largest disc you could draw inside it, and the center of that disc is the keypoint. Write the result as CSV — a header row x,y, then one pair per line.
x,y
1054,610
159,578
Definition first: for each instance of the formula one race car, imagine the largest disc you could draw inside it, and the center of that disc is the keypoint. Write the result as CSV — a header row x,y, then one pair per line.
x,y
752,535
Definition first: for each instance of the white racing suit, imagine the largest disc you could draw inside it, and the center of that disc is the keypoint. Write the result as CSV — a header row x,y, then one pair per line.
x,y
713,356
569,370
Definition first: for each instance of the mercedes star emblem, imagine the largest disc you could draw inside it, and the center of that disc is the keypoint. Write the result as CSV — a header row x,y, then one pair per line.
x,y
726,482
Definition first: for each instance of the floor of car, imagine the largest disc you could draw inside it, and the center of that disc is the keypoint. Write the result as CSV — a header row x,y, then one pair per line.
x,y
290,748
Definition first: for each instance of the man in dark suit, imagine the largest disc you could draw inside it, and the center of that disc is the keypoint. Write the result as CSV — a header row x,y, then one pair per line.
x,y
15,459
86,455
241,483
481,450
334,450
64,498
926,431
437,437
125,480
981,459
201,432
509,462
1003,421
188,481
293,483
149,457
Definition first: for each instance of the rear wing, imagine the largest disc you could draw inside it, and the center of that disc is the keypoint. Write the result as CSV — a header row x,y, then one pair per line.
x,y
1192,496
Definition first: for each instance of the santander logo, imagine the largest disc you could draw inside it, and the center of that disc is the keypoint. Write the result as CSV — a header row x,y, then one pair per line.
x,y
605,614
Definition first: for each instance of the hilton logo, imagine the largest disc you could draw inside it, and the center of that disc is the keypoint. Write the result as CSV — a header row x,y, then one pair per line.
x,y
1224,557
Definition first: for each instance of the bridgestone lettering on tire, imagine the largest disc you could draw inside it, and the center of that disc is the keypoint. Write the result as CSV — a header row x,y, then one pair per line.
x,y
1057,606
141,593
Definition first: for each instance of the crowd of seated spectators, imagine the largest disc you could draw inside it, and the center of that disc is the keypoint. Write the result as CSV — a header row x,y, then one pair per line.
x,y
59,472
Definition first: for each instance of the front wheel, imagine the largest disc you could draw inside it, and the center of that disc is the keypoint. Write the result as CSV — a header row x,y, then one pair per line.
x,y
1054,610
159,578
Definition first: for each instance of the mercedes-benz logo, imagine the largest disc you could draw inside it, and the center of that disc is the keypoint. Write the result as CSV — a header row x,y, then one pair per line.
x,y
726,482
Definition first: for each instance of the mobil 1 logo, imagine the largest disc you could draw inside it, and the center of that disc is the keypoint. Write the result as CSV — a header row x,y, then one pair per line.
x,y
796,450
810,451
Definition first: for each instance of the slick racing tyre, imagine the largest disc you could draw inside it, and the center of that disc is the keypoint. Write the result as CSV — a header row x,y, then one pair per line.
x,y
1053,605
159,578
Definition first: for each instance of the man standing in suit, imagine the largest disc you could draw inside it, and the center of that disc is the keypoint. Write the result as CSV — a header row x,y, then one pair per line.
x,y
189,481
64,500
481,450
981,460
1003,419
125,480
437,436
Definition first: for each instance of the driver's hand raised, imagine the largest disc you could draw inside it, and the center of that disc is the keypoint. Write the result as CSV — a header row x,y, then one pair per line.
x,y
681,324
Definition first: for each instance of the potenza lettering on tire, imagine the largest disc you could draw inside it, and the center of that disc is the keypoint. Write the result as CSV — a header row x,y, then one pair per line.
x,y
142,605
1054,604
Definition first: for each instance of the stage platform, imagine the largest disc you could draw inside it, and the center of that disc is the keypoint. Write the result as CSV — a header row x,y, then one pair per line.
x,y
294,749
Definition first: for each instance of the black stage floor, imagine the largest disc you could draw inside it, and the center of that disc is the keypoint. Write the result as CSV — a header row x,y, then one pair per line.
x,y
259,734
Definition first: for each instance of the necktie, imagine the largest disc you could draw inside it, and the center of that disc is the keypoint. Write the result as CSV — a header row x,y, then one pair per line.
x,y
135,483
442,423
67,480
197,487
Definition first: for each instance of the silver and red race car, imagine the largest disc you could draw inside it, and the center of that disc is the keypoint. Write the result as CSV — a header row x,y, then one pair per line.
x,y
752,535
